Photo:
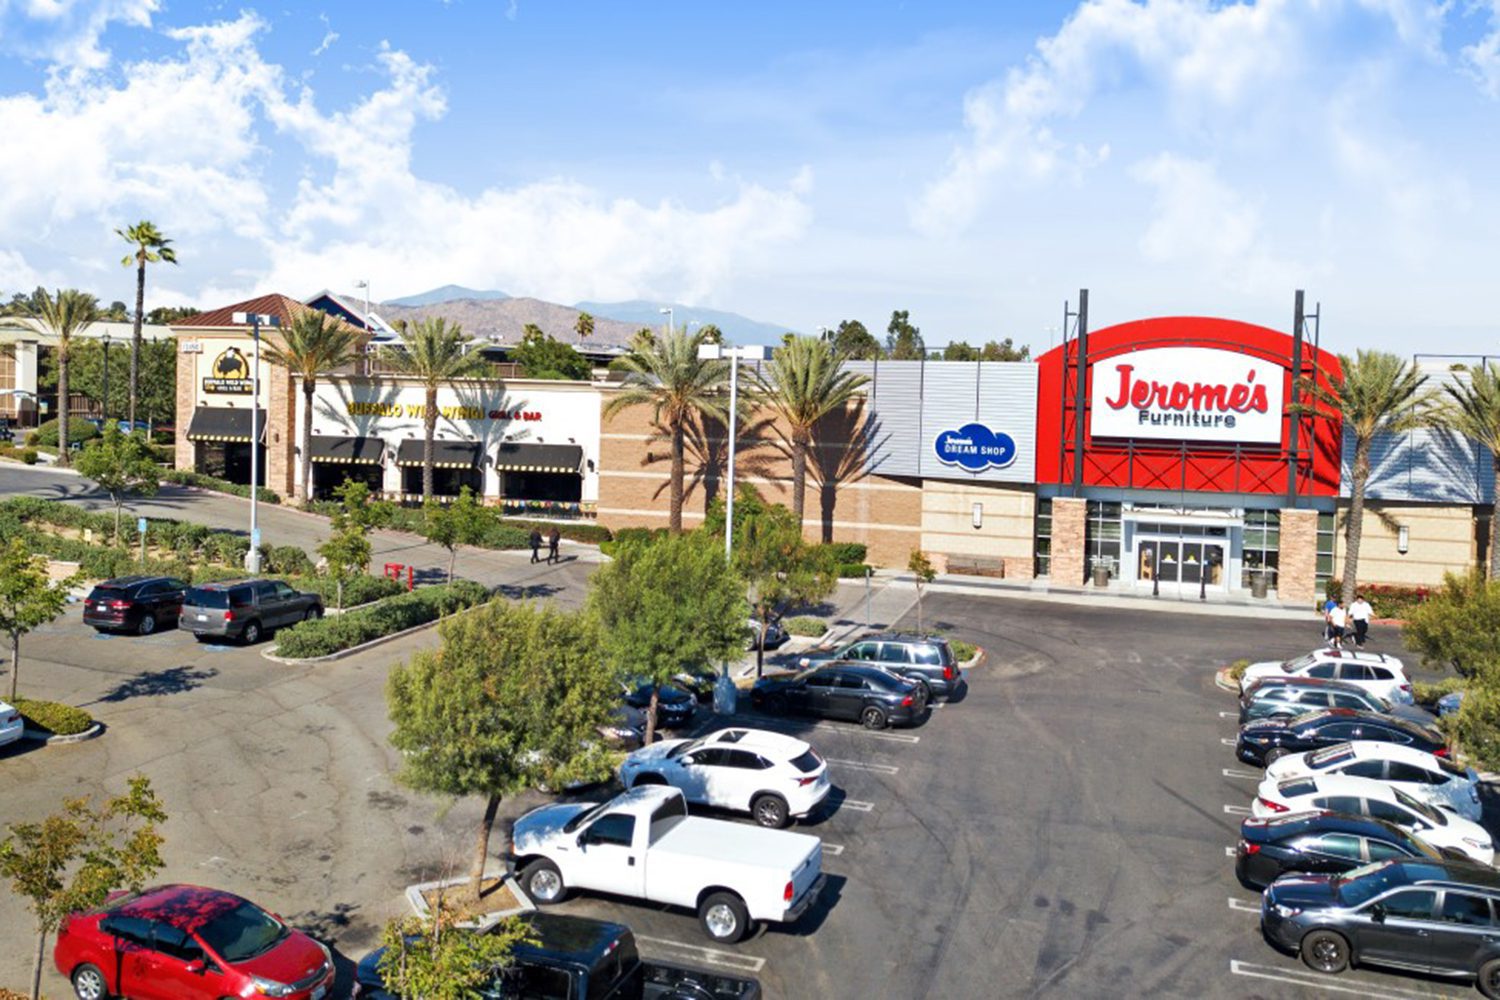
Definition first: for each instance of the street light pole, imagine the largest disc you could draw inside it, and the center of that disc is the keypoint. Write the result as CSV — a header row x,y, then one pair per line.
x,y
667,312
252,558
365,284
104,404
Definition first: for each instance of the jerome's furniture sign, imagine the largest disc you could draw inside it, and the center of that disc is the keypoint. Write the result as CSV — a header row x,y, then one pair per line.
x,y
1187,393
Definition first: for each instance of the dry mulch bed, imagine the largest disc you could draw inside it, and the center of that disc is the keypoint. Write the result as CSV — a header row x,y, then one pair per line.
x,y
494,897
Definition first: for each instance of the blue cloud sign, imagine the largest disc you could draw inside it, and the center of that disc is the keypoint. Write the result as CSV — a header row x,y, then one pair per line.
x,y
975,447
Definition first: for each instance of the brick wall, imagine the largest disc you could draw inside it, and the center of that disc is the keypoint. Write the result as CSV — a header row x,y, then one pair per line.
x,y
1440,538
1069,540
1006,531
1297,558
187,373
281,440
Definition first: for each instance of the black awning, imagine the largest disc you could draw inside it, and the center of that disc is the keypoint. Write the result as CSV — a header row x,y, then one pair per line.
x,y
445,454
348,450
520,456
223,423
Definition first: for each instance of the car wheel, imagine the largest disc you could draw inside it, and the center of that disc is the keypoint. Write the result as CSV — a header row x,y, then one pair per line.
x,y
647,779
724,917
1274,754
873,718
88,983
1488,980
543,883
251,635
770,810
925,690
776,704
147,625
313,614
1325,951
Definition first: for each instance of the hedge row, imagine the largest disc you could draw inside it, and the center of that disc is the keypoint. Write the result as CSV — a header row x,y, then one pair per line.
x,y
27,455
325,636
805,625
1388,600
186,477
45,434
53,717
503,532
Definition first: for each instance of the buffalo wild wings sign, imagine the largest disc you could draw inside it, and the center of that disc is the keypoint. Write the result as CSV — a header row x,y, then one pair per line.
x,y
1187,394
229,374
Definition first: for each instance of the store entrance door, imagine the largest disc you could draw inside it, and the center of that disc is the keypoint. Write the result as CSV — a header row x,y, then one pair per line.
x,y
1185,556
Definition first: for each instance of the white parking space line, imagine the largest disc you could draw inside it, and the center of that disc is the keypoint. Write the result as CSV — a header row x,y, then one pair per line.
x,y
1242,906
713,956
1230,772
1226,741
855,804
1229,715
832,850
1229,852
1237,810
938,704
1323,984
860,765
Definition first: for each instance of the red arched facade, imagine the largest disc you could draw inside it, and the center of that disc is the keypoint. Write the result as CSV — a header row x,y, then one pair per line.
x,y
1180,462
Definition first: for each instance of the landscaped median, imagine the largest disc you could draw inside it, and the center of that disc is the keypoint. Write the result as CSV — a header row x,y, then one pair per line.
x,y
328,637
45,720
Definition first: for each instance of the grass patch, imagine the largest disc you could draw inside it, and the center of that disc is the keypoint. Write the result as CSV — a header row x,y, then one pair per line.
x,y
963,652
53,717
805,625
1237,670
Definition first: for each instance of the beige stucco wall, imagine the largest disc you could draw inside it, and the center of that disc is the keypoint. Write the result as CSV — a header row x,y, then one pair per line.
x,y
1441,539
1007,524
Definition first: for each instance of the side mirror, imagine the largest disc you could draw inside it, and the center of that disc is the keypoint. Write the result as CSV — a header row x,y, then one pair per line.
x,y
195,967
583,839
1377,913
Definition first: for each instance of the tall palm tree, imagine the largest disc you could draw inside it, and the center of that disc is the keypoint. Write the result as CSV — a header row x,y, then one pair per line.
x,y
1377,393
151,247
1473,410
66,313
584,326
805,382
434,354
315,342
667,375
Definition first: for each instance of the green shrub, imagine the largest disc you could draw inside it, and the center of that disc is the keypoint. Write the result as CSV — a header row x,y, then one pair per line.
x,y
186,477
1428,694
288,559
53,717
845,553
963,652
1237,670
324,636
360,589
1476,726
1458,625
45,434
805,625
223,547
579,531
29,456
853,570
1389,601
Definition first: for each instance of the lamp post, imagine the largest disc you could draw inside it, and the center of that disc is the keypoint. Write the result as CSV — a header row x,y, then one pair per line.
x,y
365,319
255,320
667,312
104,404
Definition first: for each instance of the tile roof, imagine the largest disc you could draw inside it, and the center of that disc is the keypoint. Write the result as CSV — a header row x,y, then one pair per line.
x,y
283,307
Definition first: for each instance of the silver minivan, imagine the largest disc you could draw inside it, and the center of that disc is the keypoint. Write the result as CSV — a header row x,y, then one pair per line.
x,y
245,609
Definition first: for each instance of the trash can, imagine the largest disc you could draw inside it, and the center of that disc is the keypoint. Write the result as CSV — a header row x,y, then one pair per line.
x,y
1260,583
1101,576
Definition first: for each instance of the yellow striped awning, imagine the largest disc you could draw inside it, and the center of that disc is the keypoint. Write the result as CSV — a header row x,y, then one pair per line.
x,y
445,454
348,450
223,423
524,456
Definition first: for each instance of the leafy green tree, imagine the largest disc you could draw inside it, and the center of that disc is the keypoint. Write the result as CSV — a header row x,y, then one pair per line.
x,y
149,246
1376,393
315,343
856,343
960,350
779,568
433,960
583,326
157,377
434,353
28,599
514,698
805,382
72,860
670,378
465,521
903,342
709,333
1472,408
1459,625
122,465
1004,350
65,315
920,567
548,357
666,605
163,315
347,551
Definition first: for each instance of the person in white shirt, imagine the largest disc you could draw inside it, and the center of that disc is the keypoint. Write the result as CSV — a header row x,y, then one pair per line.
x,y
1360,614
1337,619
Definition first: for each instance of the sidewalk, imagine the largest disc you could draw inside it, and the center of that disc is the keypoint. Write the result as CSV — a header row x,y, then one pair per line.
x,y
1226,605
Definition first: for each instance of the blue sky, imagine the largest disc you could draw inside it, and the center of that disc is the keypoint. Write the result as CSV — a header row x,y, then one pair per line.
x,y
798,163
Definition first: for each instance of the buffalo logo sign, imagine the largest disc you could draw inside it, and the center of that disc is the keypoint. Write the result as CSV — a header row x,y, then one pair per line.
x,y
230,373
975,448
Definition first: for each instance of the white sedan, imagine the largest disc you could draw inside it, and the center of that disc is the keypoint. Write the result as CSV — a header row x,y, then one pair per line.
x,y
11,723
1381,675
1368,797
1429,779
771,776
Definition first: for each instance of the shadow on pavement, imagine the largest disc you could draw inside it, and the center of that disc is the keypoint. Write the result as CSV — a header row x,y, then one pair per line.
x,y
157,683
337,928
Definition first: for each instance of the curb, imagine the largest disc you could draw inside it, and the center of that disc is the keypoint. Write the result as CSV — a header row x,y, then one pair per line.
x,y
270,652
53,739
1224,681
413,894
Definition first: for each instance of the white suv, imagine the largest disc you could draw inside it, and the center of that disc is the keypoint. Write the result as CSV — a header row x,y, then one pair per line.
x,y
1381,675
771,776
1419,774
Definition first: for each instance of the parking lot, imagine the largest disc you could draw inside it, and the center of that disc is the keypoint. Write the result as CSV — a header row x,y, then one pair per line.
x,y
1059,831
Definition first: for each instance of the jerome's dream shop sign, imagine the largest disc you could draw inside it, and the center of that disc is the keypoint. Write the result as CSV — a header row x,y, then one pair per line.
x,y
1187,393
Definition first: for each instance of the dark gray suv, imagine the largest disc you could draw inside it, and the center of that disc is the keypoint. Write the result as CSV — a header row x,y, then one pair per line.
x,y
1438,918
245,609
926,659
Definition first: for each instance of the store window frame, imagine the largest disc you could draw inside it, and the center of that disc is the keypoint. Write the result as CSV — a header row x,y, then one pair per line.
x,y
1260,546
1327,533
1043,535
1104,535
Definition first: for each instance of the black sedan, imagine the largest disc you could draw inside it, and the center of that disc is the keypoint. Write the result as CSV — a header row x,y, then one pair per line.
x,y
1289,697
139,604
1322,842
674,706
869,695
1265,740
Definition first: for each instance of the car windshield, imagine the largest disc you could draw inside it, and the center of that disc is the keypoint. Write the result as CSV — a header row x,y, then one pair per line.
x,y
1420,808
1363,884
1329,756
587,816
241,933
687,746
1305,660
201,597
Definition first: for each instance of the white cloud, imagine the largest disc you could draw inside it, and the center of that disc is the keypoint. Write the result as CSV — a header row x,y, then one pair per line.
x,y
329,36
66,33
1482,59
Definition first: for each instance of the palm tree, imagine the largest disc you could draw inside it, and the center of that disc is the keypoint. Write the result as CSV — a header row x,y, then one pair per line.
x,y
584,326
1377,393
315,342
151,247
805,382
1473,410
667,375
65,314
434,355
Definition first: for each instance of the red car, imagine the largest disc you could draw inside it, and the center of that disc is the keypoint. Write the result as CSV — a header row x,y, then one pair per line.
x,y
183,942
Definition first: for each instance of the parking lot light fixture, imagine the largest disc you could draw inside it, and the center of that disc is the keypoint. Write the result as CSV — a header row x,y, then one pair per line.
x,y
254,321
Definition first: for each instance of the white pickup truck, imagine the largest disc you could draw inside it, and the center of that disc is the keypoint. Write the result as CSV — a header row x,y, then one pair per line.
x,y
643,844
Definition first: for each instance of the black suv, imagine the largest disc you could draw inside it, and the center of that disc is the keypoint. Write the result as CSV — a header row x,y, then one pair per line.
x,y
926,659
139,604
1438,918
867,694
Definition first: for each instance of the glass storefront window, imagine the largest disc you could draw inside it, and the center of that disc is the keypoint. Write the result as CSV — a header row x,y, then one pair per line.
x,y
1262,545
1326,531
1103,535
1043,562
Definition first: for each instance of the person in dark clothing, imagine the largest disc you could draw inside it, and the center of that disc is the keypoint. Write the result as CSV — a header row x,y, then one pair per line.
x,y
536,545
552,541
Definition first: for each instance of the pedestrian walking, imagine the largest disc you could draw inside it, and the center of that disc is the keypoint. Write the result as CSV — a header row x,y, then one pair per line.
x,y
1328,607
536,545
1360,614
553,538
1338,619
